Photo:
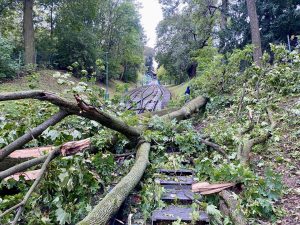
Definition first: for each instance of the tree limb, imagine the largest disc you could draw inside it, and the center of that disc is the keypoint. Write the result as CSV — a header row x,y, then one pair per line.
x,y
106,208
246,146
89,112
236,215
187,110
22,204
34,133
214,146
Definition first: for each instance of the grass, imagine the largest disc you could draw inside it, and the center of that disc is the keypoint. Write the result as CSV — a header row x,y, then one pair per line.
x,y
48,83
178,90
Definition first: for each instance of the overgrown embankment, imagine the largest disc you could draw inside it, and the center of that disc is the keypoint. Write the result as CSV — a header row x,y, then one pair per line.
x,y
253,116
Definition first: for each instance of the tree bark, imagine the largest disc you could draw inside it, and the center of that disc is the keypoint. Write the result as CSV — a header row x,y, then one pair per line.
x,y
255,32
187,110
236,215
224,12
28,32
106,208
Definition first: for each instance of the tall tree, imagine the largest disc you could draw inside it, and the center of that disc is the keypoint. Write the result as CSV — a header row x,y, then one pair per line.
x,y
28,32
224,12
255,33
187,26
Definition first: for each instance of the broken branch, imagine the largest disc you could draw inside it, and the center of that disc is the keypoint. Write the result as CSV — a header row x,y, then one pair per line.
x,y
22,204
236,215
34,133
102,213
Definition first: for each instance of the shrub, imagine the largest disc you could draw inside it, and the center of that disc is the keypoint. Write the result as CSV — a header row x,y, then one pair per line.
x,y
8,66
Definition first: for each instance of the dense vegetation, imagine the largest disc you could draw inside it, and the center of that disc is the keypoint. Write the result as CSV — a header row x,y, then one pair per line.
x,y
192,25
74,35
245,127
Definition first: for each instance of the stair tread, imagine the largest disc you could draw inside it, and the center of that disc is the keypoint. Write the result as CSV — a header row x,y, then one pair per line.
x,y
173,213
176,180
176,172
172,194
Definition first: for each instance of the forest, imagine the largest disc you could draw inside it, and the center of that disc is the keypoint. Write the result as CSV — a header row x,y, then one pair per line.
x,y
98,127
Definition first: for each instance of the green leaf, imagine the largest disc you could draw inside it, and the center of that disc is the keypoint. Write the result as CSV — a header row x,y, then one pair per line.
x,y
62,216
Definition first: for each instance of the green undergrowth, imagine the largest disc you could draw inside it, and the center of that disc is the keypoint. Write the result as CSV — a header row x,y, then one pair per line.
x,y
72,185
259,192
240,94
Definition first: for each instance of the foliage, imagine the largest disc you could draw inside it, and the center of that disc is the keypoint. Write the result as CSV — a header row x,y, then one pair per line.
x,y
277,19
219,74
85,37
259,194
184,29
163,74
80,31
8,67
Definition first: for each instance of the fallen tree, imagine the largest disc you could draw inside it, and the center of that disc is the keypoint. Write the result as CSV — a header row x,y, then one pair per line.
x,y
111,203
230,206
106,208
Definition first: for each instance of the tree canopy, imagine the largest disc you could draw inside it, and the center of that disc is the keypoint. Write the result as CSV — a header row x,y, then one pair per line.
x,y
81,32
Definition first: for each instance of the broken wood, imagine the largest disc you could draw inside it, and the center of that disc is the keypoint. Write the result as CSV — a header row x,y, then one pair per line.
x,y
29,175
31,152
206,188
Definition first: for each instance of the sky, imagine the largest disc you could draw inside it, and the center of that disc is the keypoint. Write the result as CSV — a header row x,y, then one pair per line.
x,y
151,15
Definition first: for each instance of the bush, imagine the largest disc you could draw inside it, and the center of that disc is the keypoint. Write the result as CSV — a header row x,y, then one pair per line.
x,y
8,66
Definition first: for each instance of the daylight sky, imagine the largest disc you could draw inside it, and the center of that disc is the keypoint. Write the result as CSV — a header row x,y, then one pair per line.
x,y
151,15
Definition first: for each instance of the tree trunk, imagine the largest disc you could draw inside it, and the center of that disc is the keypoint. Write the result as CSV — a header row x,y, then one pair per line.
x,y
236,214
106,208
51,21
224,12
255,33
28,32
187,110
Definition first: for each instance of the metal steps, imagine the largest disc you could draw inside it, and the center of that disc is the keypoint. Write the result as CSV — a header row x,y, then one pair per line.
x,y
177,185
173,213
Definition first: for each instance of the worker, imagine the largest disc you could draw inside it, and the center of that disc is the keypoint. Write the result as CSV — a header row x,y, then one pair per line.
x,y
187,94
187,91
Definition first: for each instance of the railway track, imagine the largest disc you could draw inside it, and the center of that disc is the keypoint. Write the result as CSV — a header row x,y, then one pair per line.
x,y
148,98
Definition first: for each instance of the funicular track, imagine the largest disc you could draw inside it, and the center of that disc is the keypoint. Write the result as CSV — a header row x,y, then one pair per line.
x,y
148,98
